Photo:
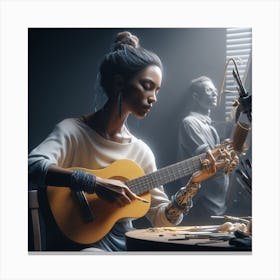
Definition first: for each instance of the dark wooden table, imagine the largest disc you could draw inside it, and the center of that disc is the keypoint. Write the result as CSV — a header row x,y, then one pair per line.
x,y
163,239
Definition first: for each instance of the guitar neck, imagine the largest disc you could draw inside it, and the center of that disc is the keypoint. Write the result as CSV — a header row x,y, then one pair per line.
x,y
166,175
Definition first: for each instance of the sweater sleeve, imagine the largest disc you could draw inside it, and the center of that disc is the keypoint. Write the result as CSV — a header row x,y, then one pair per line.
x,y
54,150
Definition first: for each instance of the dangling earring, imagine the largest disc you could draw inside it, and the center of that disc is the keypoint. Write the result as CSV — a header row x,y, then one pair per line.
x,y
120,104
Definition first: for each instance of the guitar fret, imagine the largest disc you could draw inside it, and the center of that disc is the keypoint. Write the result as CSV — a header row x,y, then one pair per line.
x,y
165,175
136,188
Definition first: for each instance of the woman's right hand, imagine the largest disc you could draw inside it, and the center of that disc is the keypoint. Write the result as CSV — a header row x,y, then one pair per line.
x,y
113,190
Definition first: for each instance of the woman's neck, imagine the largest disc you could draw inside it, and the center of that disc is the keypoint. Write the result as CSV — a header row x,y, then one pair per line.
x,y
109,124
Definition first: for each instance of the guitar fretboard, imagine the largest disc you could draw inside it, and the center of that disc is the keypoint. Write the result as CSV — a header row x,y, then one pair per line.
x,y
166,175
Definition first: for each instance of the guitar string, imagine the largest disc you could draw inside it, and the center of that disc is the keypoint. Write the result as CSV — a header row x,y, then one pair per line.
x,y
169,175
165,175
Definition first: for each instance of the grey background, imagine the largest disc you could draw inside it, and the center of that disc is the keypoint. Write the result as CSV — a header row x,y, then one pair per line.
x,y
63,65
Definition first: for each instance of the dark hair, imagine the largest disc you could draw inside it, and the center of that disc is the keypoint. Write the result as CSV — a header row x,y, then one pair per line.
x,y
126,59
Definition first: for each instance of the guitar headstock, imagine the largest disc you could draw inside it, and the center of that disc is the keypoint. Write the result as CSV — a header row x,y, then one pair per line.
x,y
225,156
222,156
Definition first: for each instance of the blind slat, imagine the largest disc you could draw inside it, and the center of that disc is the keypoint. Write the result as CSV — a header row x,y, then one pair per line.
x,y
239,35
239,40
243,51
238,29
242,56
238,47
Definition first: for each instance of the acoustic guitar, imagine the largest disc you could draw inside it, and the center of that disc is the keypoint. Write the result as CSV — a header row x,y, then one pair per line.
x,y
85,218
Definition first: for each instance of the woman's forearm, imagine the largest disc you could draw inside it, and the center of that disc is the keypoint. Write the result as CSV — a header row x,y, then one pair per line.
x,y
57,176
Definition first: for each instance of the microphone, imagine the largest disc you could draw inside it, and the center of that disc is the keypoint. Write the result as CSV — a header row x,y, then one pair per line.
x,y
239,137
244,103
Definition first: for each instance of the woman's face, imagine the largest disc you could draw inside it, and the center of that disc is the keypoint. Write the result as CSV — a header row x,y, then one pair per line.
x,y
141,91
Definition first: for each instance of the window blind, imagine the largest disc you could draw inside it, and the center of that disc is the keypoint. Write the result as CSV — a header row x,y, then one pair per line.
x,y
238,47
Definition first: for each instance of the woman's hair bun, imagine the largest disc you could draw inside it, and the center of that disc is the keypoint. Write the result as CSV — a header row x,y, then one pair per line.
x,y
125,38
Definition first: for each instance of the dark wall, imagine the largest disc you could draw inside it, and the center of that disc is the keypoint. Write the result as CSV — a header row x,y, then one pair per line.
x,y
63,65
62,70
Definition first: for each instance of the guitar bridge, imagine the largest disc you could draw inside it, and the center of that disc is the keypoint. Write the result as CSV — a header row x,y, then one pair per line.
x,y
86,211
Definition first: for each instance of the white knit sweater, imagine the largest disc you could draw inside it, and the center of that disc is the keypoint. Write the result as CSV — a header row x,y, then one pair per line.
x,y
73,143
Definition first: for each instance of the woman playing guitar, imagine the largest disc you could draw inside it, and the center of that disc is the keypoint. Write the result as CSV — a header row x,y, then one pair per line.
x,y
131,77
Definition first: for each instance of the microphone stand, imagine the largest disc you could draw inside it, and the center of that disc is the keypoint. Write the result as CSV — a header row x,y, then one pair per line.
x,y
244,105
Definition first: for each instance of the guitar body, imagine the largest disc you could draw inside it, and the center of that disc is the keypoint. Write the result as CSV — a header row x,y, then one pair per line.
x,y
67,212
70,216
